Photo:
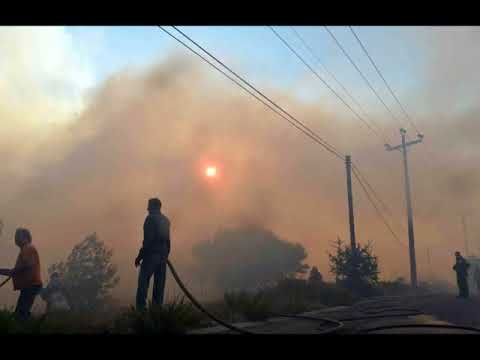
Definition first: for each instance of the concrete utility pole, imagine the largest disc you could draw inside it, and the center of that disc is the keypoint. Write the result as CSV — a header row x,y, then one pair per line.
x,y
351,220
411,239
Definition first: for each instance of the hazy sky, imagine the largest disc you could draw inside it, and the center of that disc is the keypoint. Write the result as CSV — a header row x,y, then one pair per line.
x,y
264,59
97,119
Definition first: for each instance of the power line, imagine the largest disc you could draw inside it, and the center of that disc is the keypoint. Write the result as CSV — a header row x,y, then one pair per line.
x,y
309,133
375,194
362,75
322,80
302,127
385,207
384,80
407,116
378,211
319,61
323,142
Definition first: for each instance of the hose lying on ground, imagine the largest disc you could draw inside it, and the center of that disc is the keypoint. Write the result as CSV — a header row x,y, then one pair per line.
x,y
372,312
5,281
387,306
338,324
199,306
381,311
435,326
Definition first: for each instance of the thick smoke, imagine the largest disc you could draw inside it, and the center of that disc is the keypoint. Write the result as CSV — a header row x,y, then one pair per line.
x,y
152,132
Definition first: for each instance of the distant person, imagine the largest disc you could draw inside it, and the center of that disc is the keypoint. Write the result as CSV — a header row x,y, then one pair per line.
x,y
461,268
26,274
54,295
153,255
315,276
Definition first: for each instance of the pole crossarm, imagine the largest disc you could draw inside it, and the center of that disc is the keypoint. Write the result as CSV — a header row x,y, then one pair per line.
x,y
400,146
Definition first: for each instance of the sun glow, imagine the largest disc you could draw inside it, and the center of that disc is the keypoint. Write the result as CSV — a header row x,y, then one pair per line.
x,y
211,171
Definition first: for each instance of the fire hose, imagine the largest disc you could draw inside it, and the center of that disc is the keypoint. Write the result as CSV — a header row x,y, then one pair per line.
x,y
5,281
375,312
419,326
388,308
337,324
372,312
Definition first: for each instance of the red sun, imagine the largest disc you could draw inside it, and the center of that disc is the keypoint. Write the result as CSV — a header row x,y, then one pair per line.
x,y
211,171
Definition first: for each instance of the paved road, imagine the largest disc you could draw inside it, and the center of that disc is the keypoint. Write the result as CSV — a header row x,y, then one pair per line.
x,y
420,311
449,308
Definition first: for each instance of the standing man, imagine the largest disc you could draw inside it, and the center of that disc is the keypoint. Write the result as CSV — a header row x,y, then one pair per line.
x,y
26,274
152,257
461,268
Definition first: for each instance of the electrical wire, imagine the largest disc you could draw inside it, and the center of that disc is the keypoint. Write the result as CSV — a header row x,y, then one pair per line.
x,y
362,75
378,211
319,77
407,116
310,134
307,132
323,81
375,194
355,101
290,118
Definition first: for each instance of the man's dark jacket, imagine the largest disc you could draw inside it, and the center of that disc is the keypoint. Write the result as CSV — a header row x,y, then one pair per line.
x,y
461,267
156,235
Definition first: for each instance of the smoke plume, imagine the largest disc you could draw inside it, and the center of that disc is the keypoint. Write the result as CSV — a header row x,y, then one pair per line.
x,y
151,132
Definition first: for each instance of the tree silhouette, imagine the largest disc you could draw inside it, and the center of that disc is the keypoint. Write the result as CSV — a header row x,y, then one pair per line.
x,y
315,277
357,270
248,257
88,274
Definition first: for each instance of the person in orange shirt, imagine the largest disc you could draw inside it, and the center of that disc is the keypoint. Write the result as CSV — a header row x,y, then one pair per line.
x,y
26,274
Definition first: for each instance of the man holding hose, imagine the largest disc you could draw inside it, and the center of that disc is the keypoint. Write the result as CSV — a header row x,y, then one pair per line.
x,y
26,274
153,255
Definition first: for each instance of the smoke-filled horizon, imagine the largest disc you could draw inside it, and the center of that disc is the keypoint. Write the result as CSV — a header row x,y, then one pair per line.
x,y
152,132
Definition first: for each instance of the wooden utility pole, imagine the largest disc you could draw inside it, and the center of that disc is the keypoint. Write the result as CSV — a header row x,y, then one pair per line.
x,y
429,264
351,220
465,236
411,238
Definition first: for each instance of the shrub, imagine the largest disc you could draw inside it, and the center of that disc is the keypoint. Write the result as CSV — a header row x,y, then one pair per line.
x,y
293,296
172,318
88,275
8,325
52,323
254,307
229,261
334,295
356,269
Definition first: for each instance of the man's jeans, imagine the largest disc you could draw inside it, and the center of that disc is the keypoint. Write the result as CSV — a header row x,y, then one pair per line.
x,y
156,265
25,301
462,283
